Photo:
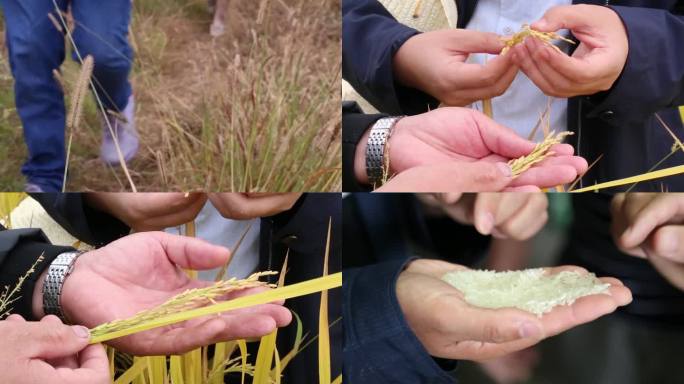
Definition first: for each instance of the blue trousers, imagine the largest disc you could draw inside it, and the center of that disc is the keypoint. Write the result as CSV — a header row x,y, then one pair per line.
x,y
37,48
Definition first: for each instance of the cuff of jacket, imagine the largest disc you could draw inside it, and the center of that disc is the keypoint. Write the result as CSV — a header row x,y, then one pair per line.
x,y
379,345
641,89
29,245
354,126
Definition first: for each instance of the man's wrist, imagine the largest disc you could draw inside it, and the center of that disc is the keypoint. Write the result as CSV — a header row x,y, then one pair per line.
x,y
360,159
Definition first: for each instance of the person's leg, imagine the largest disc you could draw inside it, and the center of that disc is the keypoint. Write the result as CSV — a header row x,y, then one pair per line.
x,y
102,31
36,49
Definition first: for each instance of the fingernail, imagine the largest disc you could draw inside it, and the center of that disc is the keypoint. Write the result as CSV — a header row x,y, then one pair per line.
x,y
81,331
529,330
670,243
486,223
539,24
505,169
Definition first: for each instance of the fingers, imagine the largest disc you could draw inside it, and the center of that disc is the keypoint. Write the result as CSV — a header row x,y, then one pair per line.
x,y
497,326
15,318
471,41
94,364
499,139
546,176
517,215
50,339
644,216
479,176
240,206
667,242
192,253
561,17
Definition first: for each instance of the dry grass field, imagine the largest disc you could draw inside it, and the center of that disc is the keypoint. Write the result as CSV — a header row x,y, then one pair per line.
x,y
257,109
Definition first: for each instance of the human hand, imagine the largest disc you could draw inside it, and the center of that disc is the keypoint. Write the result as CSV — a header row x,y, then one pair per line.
x,y
49,352
651,225
244,206
595,65
459,135
517,216
143,270
149,211
435,63
450,328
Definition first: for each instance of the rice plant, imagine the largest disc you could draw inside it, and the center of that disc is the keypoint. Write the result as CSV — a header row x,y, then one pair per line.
x,y
254,110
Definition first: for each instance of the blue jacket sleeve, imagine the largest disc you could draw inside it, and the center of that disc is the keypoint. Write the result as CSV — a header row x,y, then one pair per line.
x,y
370,39
653,77
379,346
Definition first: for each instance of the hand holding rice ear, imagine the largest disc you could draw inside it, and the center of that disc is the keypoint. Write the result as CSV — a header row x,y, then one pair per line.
x,y
435,63
449,327
144,270
457,136
48,351
595,65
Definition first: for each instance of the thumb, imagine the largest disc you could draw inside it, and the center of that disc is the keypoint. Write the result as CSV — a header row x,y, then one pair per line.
x,y
499,139
498,325
561,17
192,253
52,340
481,176
471,41
668,243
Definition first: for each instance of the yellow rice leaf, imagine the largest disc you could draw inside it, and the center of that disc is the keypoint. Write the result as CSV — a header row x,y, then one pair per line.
x,y
135,371
338,380
278,370
156,369
634,179
291,291
176,370
243,353
681,110
192,366
267,347
9,201
323,331
297,343
218,363
110,355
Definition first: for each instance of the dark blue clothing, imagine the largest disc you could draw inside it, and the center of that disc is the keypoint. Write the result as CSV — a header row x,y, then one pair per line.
x,y
618,124
381,234
36,49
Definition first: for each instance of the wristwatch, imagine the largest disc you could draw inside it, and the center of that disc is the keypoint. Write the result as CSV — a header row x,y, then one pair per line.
x,y
57,272
376,148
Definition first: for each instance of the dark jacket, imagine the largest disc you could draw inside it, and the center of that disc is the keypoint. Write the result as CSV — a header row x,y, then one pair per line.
x,y
619,124
19,249
381,234
302,230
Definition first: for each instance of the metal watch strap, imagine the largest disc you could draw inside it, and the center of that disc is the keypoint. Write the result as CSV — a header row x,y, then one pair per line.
x,y
57,272
375,150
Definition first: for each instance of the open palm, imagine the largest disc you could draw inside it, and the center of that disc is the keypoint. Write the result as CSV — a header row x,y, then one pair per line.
x,y
143,270
464,135
459,330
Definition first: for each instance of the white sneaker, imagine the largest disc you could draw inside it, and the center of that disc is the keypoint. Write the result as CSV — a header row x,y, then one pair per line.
x,y
124,131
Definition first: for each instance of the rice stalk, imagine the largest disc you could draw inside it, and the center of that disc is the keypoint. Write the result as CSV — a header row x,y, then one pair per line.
x,y
546,37
324,371
668,172
190,299
134,325
540,153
